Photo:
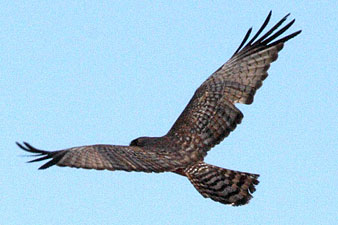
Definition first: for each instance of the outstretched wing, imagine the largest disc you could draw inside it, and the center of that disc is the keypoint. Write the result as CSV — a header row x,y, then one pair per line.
x,y
110,157
211,114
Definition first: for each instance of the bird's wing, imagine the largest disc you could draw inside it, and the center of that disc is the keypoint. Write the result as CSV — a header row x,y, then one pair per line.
x,y
211,114
110,157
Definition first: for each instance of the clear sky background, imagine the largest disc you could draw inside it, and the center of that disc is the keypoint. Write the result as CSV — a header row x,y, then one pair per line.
x,y
86,72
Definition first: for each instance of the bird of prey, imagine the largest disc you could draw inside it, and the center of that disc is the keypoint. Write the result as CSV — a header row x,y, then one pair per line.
x,y
208,118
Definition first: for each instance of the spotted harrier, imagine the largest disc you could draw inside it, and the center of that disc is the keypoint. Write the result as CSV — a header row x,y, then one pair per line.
x,y
208,118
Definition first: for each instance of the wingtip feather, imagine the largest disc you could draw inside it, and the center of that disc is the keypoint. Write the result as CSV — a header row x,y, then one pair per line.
x,y
265,40
20,146
54,156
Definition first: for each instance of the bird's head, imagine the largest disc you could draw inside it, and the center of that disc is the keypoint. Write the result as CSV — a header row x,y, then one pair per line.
x,y
141,141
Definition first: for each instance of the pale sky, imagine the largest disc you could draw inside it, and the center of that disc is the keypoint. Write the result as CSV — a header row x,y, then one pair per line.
x,y
95,72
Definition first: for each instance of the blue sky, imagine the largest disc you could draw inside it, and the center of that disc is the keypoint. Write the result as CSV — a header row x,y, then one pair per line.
x,y
78,73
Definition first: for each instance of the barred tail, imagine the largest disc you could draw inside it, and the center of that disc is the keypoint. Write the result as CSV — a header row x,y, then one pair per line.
x,y
222,185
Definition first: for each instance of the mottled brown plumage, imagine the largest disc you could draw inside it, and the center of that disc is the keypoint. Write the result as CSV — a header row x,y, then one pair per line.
x,y
208,118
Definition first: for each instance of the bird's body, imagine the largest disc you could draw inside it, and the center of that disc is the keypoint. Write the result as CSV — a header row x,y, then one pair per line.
x,y
208,118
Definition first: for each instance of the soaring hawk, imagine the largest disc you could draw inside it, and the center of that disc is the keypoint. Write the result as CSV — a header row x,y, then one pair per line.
x,y
208,118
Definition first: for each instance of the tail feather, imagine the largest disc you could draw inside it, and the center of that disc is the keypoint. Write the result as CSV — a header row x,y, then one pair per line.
x,y
222,185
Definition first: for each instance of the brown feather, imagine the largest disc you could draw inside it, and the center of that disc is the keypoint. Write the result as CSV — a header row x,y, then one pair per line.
x,y
208,118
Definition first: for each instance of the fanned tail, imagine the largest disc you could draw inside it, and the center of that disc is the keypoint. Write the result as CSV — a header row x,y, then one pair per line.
x,y
222,185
